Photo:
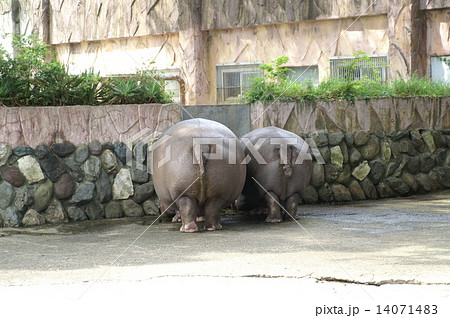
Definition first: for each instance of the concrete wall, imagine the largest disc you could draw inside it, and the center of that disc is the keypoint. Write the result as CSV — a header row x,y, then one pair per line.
x,y
116,37
377,114
33,126
82,124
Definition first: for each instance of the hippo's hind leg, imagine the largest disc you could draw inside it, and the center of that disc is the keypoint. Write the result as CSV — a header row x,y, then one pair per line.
x,y
291,207
213,209
188,210
273,205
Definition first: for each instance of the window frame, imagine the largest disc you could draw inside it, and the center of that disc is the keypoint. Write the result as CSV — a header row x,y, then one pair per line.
x,y
338,71
242,69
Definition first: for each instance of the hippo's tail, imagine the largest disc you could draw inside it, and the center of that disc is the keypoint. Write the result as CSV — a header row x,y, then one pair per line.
x,y
202,159
287,166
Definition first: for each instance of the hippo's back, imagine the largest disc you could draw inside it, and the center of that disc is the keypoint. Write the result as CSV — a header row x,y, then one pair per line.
x,y
201,173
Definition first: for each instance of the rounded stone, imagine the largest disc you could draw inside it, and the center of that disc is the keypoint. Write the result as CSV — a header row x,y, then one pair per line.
x,y
397,185
355,157
405,146
10,217
377,169
344,175
94,211
131,208
371,149
113,209
331,172
143,191
326,193
325,153
139,176
427,136
413,164
92,168
109,161
30,168
438,140
32,218
151,207
41,151
384,191
318,175
441,155
54,213
386,151
335,138
81,154
63,149
349,139
43,195
22,199
424,181
410,181
121,151
75,213
5,152
83,193
13,175
103,188
341,193
426,162
74,169
443,174
53,166
123,185
361,137
361,171
6,194
310,195
95,147
356,191
336,156
369,189
319,137
64,187
23,151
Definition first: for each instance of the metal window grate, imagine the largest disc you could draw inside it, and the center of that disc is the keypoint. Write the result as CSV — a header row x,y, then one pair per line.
x,y
233,80
302,74
346,67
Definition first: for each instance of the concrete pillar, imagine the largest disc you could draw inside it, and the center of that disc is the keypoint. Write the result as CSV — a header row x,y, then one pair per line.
x,y
407,39
192,41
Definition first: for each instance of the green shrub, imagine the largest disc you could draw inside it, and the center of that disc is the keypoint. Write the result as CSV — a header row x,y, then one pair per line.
x,y
35,77
276,86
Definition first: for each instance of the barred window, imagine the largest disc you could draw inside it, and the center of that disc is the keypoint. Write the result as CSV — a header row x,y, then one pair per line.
x,y
373,67
233,80
302,74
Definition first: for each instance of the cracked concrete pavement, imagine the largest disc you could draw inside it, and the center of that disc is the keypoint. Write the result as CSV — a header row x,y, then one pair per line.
x,y
361,253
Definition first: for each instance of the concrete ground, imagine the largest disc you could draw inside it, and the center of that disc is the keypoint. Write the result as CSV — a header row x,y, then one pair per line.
x,y
356,256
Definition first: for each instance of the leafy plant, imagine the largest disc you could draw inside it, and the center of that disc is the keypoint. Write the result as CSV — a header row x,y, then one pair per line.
x,y
362,85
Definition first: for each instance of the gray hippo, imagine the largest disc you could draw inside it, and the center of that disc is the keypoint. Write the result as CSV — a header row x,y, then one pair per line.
x,y
197,171
278,172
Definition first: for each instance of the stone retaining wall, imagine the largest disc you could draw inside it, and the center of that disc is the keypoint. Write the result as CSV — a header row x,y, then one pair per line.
x,y
67,183
362,166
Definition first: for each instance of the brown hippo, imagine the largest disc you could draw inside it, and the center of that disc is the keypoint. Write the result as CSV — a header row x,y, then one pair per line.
x,y
278,172
197,171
